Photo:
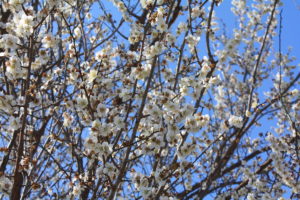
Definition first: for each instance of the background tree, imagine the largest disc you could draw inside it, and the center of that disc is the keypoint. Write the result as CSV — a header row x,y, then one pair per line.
x,y
148,99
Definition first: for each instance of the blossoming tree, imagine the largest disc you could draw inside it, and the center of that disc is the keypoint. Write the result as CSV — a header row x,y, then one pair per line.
x,y
148,99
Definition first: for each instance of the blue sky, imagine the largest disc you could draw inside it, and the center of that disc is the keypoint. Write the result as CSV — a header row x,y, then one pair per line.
x,y
291,26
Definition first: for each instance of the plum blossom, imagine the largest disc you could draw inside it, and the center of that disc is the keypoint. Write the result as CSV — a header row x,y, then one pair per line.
x,y
236,121
92,75
49,41
5,185
82,102
147,100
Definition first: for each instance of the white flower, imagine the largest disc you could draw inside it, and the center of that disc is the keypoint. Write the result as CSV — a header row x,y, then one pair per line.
x,y
248,113
182,27
82,102
96,124
192,41
171,39
23,24
121,6
162,26
92,39
196,12
49,41
92,75
295,92
214,80
8,41
77,32
172,138
191,124
101,110
235,121
119,122
146,3
89,16
204,70
99,55
187,110
76,190
104,149
141,72
16,2
36,64
202,120
5,185
13,66
68,119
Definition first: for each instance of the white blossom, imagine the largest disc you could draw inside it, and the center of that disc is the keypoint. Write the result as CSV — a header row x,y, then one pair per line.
x,y
236,121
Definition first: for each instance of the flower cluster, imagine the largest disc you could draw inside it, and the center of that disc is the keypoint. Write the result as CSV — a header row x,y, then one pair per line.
x,y
149,99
